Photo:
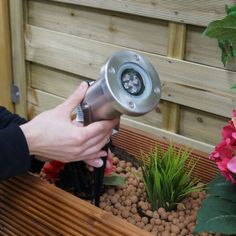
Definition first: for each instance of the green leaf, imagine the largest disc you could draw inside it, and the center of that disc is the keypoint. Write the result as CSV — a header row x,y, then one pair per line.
x,y
216,215
222,29
231,10
219,187
113,179
224,54
166,179
233,87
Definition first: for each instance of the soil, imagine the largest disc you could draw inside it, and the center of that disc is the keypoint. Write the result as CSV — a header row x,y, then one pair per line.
x,y
130,203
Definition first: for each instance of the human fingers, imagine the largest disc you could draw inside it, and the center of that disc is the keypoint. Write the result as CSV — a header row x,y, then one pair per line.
x,y
101,126
75,122
97,162
95,146
94,141
95,155
76,98
90,168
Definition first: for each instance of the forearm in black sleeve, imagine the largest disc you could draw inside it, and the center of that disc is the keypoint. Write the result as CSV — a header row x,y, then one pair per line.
x,y
7,118
14,152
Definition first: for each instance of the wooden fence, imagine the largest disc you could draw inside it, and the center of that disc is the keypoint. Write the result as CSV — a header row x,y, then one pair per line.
x,y
67,41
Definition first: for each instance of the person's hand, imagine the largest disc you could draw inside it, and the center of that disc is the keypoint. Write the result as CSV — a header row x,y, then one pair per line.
x,y
52,134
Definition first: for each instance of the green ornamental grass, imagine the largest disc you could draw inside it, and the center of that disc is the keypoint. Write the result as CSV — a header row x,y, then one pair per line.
x,y
166,177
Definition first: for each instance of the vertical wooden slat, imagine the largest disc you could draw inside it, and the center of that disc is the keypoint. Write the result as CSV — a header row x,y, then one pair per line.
x,y
5,56
176,49
18,53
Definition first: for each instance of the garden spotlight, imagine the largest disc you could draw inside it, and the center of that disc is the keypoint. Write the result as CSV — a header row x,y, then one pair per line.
x,y
128,84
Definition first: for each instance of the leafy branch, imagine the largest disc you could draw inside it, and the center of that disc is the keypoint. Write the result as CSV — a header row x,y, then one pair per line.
x,y
225,32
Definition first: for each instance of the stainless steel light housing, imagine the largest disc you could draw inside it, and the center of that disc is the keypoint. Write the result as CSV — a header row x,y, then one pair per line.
x,y
128,84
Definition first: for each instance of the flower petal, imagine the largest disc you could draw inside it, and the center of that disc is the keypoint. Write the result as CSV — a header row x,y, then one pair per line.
x,y
231,165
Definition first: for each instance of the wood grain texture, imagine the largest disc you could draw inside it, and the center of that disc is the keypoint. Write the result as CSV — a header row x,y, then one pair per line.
x,y
166,135
176,49
189,12
183,82
176,40
54,81
5,56
201,126
128,31
43,100
170,116
18,53
59,212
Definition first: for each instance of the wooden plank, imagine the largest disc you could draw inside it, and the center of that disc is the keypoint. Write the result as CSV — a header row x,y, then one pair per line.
x,y
167,135
200,99
44,101
100,25
54,81
188,12
201,126
85,58
28,193
18,53
176,49
204,50
176,40
5,56
135,141
170,116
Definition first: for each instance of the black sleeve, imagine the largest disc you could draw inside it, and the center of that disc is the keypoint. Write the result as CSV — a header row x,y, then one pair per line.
x,y
14,152
7,118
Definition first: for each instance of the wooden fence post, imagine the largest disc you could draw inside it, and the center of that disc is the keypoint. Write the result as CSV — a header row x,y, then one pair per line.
x,y
5,57
18,53
176,49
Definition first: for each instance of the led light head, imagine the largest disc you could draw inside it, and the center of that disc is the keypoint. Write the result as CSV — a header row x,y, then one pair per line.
x,y
132,82
128,84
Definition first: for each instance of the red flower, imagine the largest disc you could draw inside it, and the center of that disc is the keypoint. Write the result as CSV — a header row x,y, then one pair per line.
x,y
52,169
109,165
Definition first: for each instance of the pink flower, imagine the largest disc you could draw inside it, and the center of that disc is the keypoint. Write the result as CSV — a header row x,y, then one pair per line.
x,y
234,112
231,165
222,165
221,150
224,153
234,122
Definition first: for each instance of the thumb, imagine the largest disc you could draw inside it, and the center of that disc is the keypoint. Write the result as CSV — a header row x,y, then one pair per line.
x,y
76,98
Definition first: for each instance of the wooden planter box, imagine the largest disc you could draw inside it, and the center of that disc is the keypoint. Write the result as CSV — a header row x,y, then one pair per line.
x,y
31,206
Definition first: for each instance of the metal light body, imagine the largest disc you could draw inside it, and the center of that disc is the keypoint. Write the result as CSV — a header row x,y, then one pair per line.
x,y
128,84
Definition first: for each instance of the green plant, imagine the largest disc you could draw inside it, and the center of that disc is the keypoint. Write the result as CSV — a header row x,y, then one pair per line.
x,y
222,202
114,179
167,177
225,32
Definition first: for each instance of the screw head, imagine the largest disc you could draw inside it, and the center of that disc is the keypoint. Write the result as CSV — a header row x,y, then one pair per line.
x,y
156,90
137,57
112,70
131,105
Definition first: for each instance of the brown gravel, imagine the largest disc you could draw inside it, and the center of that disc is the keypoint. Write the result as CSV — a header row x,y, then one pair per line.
x,y
129,202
